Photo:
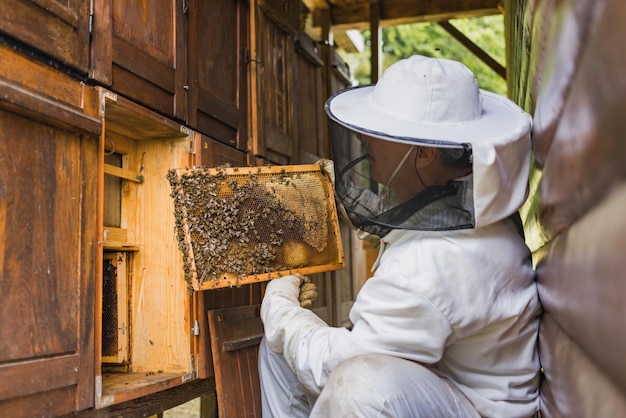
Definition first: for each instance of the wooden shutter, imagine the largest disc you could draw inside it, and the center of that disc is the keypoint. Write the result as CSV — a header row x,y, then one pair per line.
x,y
218,78
139,50
59,29
272,82
48,155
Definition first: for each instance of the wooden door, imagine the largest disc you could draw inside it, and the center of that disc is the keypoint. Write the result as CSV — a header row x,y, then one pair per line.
x,y
309,100
59,29
139,51
218,78
272,63
48,158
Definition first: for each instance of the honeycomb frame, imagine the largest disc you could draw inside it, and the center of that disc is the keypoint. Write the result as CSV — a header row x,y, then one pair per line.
x,y
241,225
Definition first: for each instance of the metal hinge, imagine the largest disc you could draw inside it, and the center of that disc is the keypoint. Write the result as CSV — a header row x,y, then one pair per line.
x,y
196,328
248,58
91,17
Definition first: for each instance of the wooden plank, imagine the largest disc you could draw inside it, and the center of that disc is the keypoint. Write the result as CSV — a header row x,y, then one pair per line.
x,y
61,32
236,372
153,403
162,304
38,375
277,140
202,350
476,50
43,109
123,173
309,99
244,342
134,121
101,51
394,12
137,61
40,79
275,84
52,403
214,153
218,83
115,385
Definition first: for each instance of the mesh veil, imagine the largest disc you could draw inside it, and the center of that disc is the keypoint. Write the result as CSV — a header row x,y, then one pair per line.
x,y
375,209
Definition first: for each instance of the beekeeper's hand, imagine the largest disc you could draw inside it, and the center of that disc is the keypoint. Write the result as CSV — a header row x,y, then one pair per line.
x,y
328,168
308,292
286,323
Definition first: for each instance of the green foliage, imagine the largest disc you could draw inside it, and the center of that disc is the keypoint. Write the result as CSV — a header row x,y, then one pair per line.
x,y
431,40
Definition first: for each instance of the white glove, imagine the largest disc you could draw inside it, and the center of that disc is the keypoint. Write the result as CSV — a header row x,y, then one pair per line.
x,y
286,323
308,292
328,168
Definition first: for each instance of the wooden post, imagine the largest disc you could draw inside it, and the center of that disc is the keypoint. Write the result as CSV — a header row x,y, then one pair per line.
x,y
377,43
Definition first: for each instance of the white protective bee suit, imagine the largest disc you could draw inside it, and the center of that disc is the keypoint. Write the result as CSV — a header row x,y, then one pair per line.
x,y
447,325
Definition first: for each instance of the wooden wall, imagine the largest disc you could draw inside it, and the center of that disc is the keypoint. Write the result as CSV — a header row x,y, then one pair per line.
x,y
567,61
169,85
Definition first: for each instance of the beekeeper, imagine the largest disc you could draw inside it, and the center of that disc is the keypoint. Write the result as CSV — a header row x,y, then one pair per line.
x,y
447,326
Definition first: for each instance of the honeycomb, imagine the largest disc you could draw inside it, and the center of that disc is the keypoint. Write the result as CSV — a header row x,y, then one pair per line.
x,y
110,341
239,225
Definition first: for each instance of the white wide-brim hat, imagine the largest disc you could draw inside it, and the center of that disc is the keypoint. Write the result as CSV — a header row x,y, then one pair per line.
x,y
437,102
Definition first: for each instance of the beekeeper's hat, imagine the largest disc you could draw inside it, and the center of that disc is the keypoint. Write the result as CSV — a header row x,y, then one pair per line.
x,y
437,102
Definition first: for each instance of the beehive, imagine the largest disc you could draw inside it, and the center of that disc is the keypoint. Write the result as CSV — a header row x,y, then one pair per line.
x,y
242,225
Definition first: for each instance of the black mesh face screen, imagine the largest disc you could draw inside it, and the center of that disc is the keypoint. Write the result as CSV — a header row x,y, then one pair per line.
x,y
376,209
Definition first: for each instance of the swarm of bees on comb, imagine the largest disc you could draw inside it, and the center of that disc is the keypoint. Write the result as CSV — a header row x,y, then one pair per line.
x,y
238,225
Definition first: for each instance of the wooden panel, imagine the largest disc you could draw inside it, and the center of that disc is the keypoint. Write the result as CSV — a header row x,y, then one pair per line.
x,y
214,154
152,404
218,83
59,29
52,403
27,74
353,13
275,132
235,337
162,302
47,245
309,100
160,307
140,52
39,375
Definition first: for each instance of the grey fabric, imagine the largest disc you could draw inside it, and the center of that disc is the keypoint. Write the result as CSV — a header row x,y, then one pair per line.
x,y
367,386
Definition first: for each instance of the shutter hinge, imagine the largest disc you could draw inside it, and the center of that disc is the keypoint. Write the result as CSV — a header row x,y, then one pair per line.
x,y
196,328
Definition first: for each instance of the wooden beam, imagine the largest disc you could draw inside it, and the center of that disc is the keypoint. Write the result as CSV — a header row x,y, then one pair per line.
x,y
376,42
394,12
152,404
476,50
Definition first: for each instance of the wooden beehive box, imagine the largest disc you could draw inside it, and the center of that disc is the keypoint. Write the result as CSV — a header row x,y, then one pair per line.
x,y
243,225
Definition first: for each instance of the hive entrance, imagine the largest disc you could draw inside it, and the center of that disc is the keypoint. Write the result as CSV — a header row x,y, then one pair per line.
x,y
240,225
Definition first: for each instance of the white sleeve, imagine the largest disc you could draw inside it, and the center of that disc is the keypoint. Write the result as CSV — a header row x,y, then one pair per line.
x,y
390,316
